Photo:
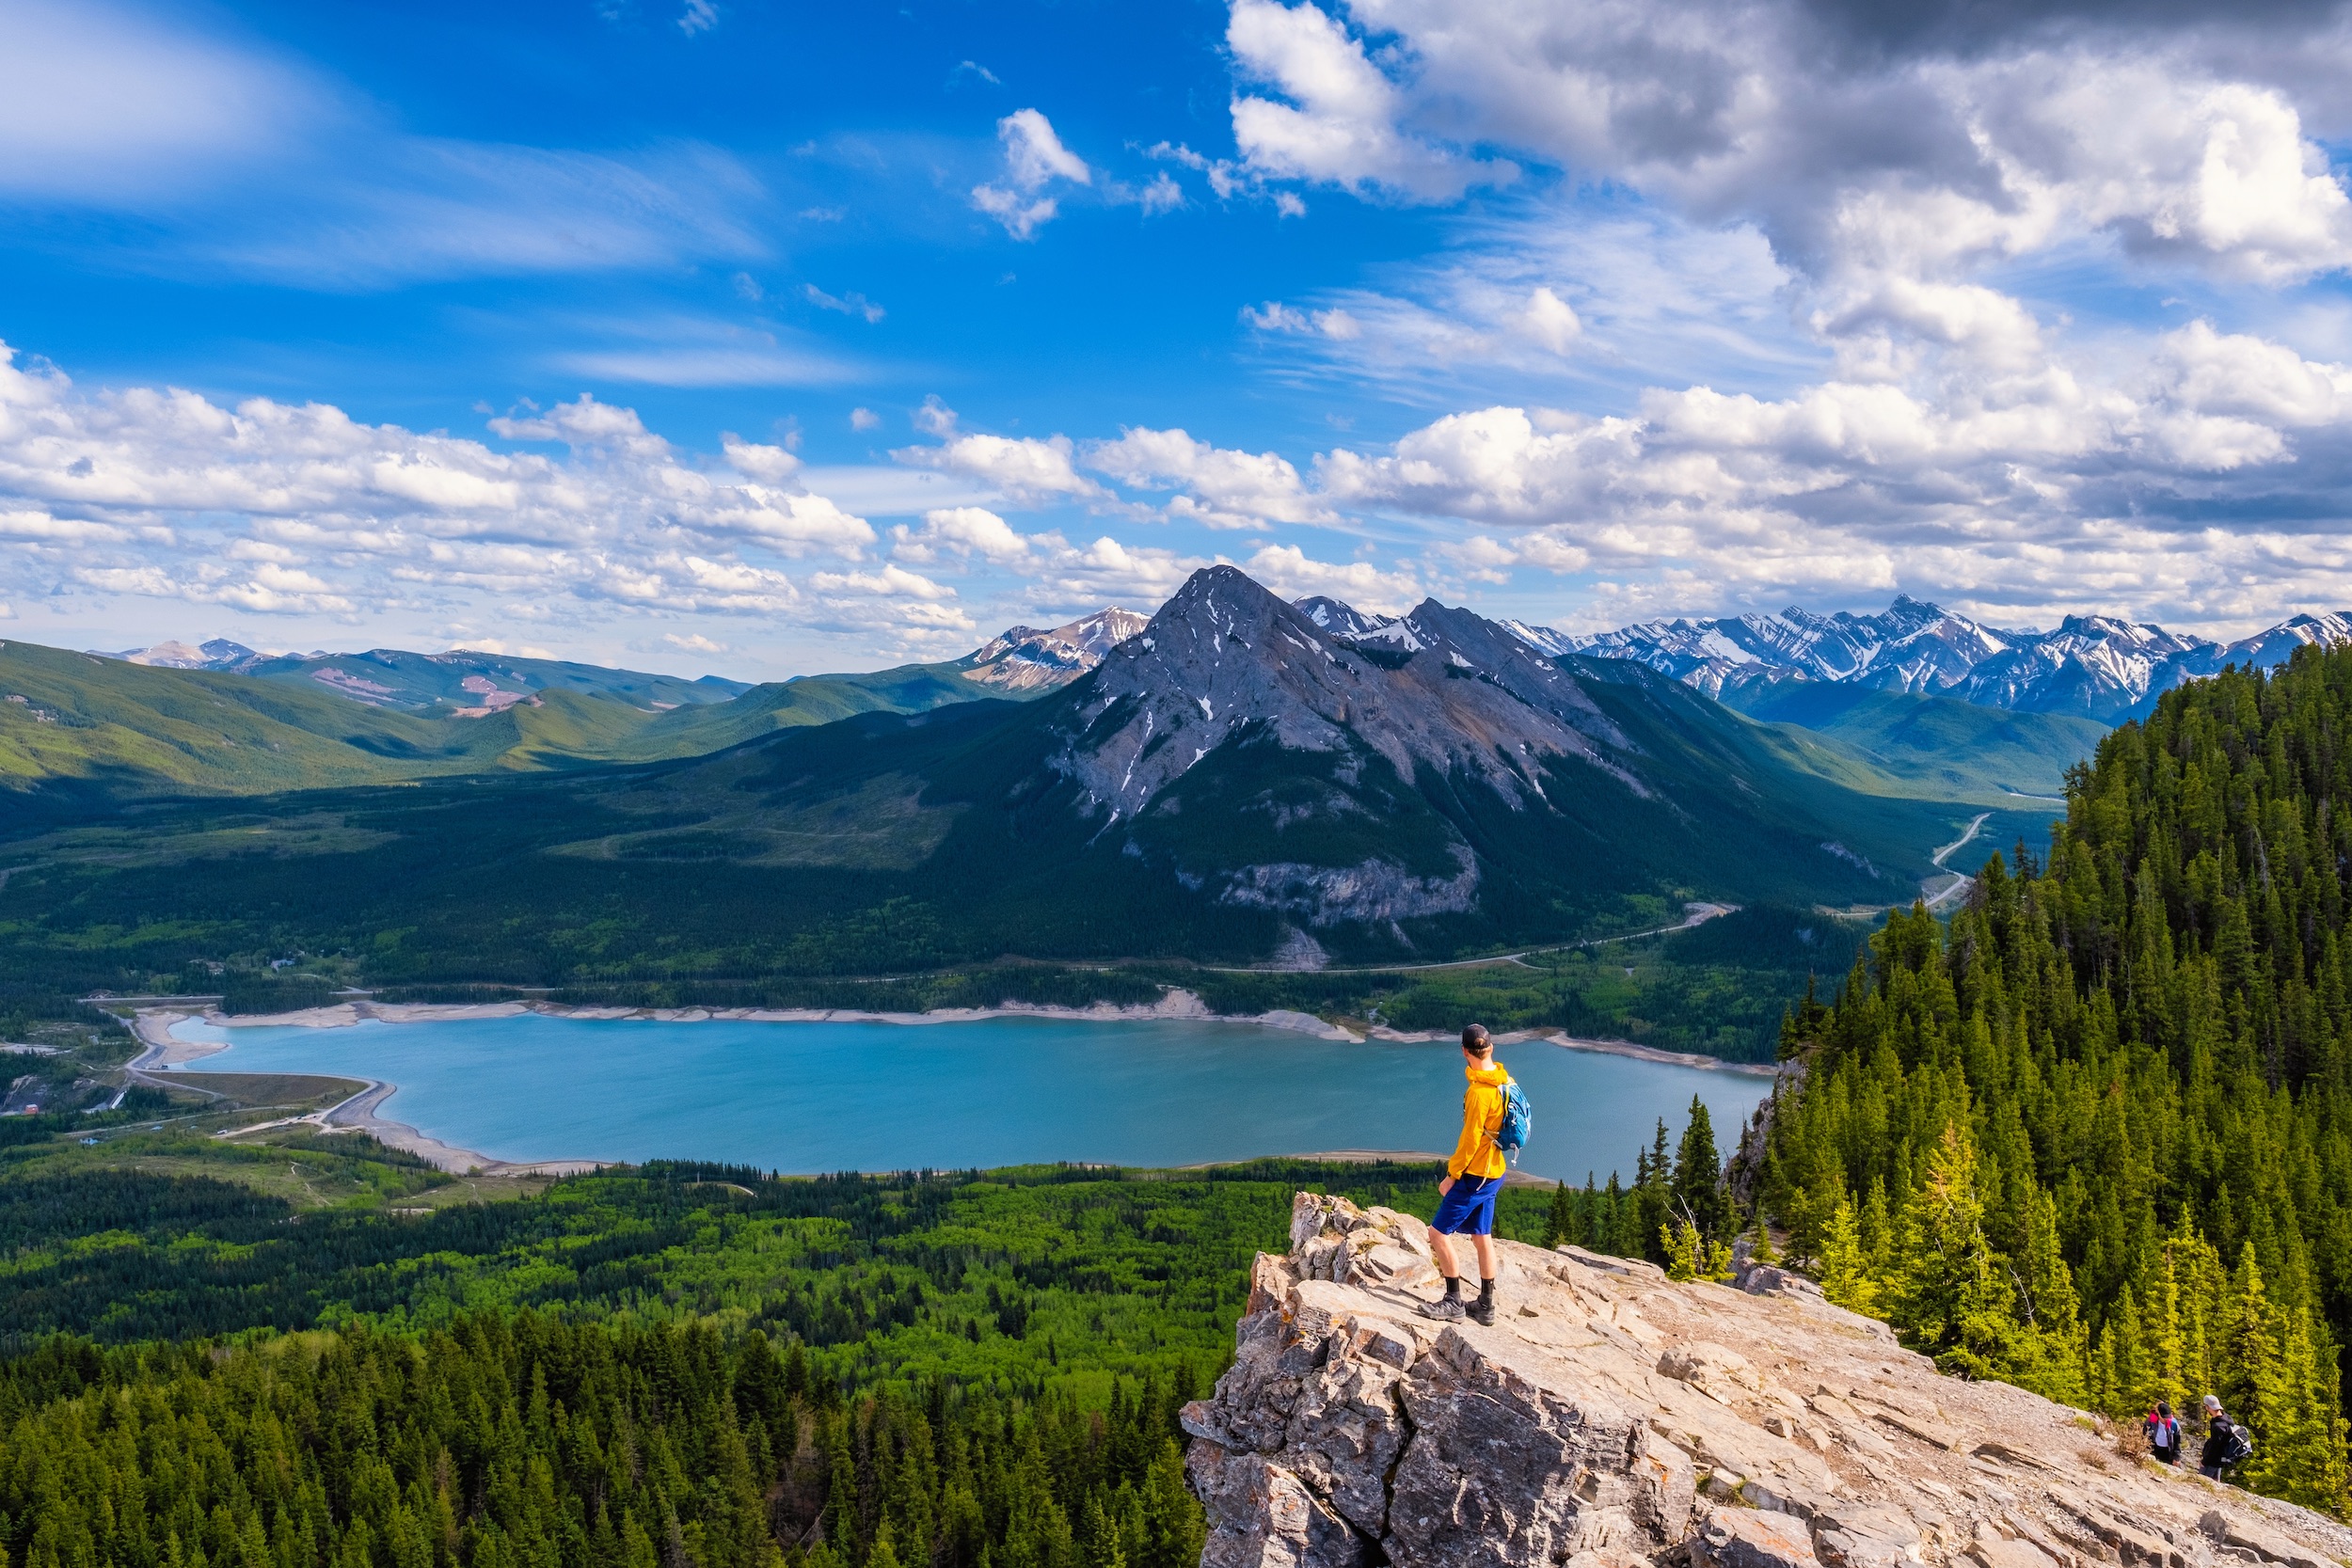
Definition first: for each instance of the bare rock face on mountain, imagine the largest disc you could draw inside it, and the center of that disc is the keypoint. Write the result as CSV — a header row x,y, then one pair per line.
x,y
1611,1419
1026,659
1224,655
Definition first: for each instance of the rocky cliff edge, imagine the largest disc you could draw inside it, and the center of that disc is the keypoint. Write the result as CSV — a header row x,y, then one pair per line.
x,y
1611,1418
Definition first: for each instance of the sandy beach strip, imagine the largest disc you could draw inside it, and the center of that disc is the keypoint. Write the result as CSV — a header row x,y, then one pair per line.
x,y
1604,1048
357,1114
1177,1004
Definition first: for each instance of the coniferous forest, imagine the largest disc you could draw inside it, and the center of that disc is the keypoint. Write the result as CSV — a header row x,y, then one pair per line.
x,y
517,1441
2095,1135
671,1365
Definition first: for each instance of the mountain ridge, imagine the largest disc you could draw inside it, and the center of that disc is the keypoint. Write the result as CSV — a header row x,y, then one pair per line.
x,y
2094,666
1230,786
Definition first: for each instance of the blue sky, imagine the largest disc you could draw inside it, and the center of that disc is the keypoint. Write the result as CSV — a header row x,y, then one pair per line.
x,y
769,338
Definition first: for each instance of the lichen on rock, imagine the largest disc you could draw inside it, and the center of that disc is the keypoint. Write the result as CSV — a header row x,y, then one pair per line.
x,y
1611,1418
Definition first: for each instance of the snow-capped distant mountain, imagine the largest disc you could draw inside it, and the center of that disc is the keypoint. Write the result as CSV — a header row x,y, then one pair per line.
x,y
1024,659
2092,666
1912,646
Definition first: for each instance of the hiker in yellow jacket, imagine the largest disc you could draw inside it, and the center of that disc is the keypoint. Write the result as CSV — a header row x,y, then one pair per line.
x,y
1473,1178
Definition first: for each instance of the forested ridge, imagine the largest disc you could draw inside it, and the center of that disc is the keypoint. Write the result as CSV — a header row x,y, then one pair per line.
x,y
2095,1137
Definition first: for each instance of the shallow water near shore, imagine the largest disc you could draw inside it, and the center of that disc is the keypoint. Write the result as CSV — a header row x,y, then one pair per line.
x,y
837,1096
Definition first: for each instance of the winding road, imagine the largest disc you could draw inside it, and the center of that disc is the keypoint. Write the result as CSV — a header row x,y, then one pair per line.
x,y
1699,914
1959,881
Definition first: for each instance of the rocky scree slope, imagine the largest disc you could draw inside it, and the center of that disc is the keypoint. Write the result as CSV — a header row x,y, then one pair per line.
x,y
1611,1418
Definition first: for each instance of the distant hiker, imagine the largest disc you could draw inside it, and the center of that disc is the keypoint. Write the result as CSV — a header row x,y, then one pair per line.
x,y
2228,1444
2164,1435
1473,1178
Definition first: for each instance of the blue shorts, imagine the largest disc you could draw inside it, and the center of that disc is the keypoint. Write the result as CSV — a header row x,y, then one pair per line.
x,y
1469,1207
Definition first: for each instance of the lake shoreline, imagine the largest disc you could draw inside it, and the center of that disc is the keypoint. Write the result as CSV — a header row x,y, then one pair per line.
x,y
163,1051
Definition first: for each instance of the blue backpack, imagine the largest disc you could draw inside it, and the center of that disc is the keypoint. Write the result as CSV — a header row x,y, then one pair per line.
x,y
1516,1123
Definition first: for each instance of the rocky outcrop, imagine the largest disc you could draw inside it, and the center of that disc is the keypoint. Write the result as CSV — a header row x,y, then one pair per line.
x,y
1611,1418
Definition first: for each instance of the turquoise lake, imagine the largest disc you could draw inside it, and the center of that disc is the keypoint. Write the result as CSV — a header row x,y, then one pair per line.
x,y
823,1097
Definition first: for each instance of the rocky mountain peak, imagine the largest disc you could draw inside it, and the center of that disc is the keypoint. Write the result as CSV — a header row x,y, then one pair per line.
x,y
217,653
1226,659
1338,619
1611,1418
1026,659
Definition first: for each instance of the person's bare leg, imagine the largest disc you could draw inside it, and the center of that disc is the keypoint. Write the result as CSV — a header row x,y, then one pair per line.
x,y
1441,1248
1447,1307
1485,1248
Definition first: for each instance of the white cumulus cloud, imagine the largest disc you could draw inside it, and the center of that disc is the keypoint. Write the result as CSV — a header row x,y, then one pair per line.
x,y
274,508
1034,158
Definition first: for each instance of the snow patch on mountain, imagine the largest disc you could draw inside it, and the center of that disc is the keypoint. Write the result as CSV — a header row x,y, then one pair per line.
x,y
2092,666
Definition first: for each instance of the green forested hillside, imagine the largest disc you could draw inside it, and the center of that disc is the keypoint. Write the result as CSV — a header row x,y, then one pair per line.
x,y
80,732
506,1442
2097,1137
1938,746
395,677
687,732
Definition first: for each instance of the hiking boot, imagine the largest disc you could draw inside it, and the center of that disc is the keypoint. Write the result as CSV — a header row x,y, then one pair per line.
x,y
1483,1310
1446,1309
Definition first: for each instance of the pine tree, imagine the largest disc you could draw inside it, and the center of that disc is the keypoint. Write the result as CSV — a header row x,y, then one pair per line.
x,y
2254,1379
1697,1192
1560,1222
1846,1277
1652,1197
1950,1298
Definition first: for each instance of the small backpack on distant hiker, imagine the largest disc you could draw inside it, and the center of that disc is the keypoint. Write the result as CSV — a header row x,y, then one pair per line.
x,y
2240,1447
1518,1122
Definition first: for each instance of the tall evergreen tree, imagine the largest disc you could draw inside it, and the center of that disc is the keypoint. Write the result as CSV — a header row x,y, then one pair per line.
x,y
1696,1193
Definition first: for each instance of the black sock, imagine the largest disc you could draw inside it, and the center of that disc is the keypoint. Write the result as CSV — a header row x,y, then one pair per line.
x,y
1485,1289
1453,1286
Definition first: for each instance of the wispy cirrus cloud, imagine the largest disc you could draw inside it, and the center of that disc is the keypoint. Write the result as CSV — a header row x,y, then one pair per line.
x,y
240,162
677,350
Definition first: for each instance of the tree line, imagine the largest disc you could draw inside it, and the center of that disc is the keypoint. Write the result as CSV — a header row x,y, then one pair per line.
x,y
515,1440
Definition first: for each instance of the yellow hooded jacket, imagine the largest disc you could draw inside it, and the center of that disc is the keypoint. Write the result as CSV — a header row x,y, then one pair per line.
x,y
1475,1154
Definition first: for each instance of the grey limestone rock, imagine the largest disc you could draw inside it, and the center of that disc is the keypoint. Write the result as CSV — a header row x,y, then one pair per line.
x,y
1614,1419
1261,1515
1743,1537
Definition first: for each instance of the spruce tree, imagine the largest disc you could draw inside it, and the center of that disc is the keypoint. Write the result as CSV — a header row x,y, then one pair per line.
x,y
1697,1192
1951,1299
1846,1279
1560,1222
2254,1385
1653,1197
